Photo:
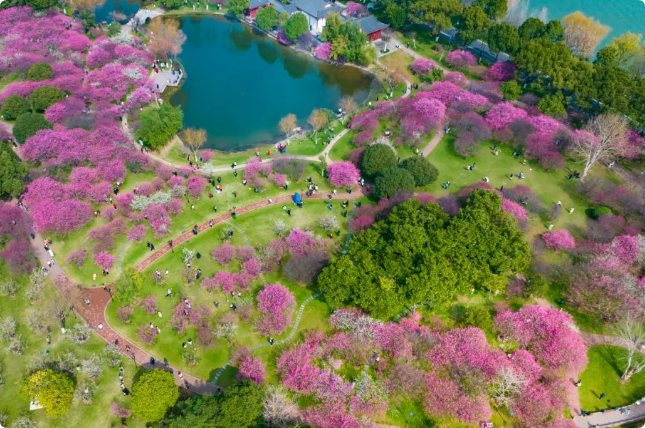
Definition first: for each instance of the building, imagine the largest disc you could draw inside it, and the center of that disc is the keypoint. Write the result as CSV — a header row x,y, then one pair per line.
x,y
316,12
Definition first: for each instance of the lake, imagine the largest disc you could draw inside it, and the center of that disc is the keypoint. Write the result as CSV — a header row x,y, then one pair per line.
x,y
240,83
128,8
621,15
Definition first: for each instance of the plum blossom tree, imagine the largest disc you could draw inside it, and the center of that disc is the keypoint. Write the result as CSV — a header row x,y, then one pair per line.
x,y
104,260
501,71
559,240
196,185
224,253
422,66
461,59
300,243
343,174
249,367
77,257
275,302
323,51
503,114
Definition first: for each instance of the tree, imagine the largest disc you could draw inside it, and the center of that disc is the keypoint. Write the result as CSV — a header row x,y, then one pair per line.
x,y
317,119
158,125
198,411
495,9
554,31
296,26
51,389
288,124
503,37
13,106
153,394
377,158
333,27
603,139
41,4
553,105
165,38
531,29
395,15
283,18
279,410
45,96
343,174
391,181
237,7
194,139
27,124
583,34
421,169
348,105
267,17
39,71
275,303
12,173
511,90
632,332
438,13
474,21
240,405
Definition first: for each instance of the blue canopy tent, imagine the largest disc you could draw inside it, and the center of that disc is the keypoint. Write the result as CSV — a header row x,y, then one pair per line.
x,y
297,199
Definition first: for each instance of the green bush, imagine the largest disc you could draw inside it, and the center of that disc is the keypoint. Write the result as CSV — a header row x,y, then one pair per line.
x,y
511,90
39,71
296,26
42,98
421,169
27,124
14,106
597,211
12,173
153,394
435,75
158,125
553,105
472,316
267,17
391,181
114,28
377,158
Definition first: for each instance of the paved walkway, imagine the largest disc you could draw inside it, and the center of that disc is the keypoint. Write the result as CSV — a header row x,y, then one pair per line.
x,y
166,78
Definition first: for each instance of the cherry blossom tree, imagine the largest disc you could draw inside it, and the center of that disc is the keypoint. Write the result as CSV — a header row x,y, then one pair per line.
x,y
559,240
104,260
461,59
77,257
300,243
422,66
501,71
275,302
323,51
343,174
249,367
224,253
503,114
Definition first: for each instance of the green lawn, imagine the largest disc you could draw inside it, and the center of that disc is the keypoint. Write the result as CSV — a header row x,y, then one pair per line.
x,y
258,227
603,376
16,368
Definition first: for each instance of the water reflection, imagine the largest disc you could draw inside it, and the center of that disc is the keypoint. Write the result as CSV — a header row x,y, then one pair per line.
x,y
238,92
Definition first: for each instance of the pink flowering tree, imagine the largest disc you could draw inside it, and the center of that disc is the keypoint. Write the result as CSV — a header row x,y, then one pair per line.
x,y
249,367
515,209
343,174
104,260
224,253
626,248
196,185
77,257
548,333
356,9
559,240
323,51
501,71
503,114
300,243
422,66
149,304
275,302
137,232
461,59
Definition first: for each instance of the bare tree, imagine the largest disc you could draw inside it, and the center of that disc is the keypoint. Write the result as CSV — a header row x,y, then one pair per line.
x,y
194,139
165,38
517,11
347,104
632,332
317,119
288,124
583,34
279,409
605,139
56,307
507,386
391,79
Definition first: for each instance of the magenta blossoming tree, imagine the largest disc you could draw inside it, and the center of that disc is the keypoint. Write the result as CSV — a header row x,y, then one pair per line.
x,y
323,51
275,302
77,257
501,71
224,253
249,367
104,260
343,174
461,59
503,114
422,66
149,304
559,240
196,185
300,243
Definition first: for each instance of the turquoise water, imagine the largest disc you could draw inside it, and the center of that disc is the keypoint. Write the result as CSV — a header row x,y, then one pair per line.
x,y
126,7
621,15
240,83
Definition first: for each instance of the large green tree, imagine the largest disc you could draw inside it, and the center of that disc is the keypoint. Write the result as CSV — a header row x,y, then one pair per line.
x,y
53,390
267,17
296,26
13,106
531,29
198,411
473,23
438,13
43,97
27,124
503,37
237,7
395,15
421,169
333,27
153,394
158,125
495,9
377,158
391,181
39,71
12,173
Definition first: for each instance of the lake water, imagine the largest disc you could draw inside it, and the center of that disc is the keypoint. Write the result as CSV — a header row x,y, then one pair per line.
x,y
240,83
621,15
126,7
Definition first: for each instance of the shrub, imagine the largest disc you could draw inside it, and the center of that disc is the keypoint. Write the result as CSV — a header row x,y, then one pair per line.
x,y
77,257
599,210
27,124
391,181
39,71
421,169
125,312
158,125
45,96
559,240
376,159
472,316
14,106
511,90
296,26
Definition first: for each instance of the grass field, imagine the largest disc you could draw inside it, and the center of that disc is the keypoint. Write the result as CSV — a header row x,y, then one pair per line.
x,y
602,375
